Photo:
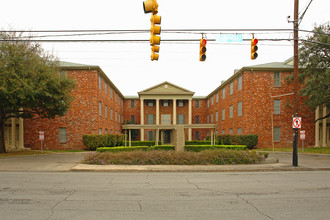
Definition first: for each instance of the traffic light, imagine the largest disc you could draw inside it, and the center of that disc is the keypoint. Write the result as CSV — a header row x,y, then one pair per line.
x,y
151,6
254,48
202,49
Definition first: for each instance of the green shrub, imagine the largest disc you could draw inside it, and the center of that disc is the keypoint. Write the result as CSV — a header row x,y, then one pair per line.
x,y
250,140
94,141
162,147
154,157
143,143
121,149
198,148
207,142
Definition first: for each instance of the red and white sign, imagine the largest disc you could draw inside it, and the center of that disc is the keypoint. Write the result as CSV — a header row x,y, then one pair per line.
x,y
41,135
296,122
302,135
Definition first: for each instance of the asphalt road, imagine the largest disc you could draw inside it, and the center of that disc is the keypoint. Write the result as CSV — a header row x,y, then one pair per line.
x,y
164,195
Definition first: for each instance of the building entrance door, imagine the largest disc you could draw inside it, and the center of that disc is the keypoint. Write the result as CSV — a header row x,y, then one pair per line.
x,y
167,136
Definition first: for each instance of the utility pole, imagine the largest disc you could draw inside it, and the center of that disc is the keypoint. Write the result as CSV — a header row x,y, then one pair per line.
x,y
295,83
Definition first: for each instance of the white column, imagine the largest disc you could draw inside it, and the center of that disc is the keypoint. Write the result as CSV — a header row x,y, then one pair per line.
x,y
142,119
317,127
157,111
174,111
21,133
190,119
324,128
13,133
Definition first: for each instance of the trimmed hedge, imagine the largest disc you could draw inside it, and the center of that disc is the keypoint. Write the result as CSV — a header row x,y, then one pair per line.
x,y
143,143
94,141
193,148
208,142
250,140
198,148
163,147
121,149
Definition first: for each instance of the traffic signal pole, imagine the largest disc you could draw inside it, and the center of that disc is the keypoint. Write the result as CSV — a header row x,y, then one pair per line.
x,y
295,81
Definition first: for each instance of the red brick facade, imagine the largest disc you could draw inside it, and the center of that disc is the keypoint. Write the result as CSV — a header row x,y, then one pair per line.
x,y
84,115
246,107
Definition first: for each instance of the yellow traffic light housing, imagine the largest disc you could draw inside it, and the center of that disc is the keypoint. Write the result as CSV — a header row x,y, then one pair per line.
x,y
254,48
202,49
150,6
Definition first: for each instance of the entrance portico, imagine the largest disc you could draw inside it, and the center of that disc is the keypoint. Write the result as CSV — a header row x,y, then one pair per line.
x,y
155,108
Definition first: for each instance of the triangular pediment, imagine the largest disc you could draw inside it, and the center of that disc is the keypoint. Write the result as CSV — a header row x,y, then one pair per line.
x,y
166,88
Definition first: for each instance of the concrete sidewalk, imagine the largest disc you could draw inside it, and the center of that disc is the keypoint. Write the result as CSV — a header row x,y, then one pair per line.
x,y
64,162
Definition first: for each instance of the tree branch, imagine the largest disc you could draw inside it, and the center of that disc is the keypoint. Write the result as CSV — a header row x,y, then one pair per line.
x,y
322,118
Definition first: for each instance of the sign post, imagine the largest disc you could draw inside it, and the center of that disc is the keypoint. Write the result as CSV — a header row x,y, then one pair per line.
x,y
296,124
41,138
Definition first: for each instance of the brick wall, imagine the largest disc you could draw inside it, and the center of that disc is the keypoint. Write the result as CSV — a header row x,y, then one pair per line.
x,y
82,117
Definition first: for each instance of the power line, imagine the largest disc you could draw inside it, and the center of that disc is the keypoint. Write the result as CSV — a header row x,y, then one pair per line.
x,y
125,40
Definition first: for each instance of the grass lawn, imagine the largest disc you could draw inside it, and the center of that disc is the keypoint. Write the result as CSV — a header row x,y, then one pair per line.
x,y
313,150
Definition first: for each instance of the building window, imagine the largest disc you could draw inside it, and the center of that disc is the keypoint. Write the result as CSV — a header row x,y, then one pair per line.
x,y
62,135
150,119
100,82
106,131
239,109
197,135
217,97
277,106
231,131
223,131
132,119
132,103
231,88
212,98
197,119
110,92
181,103
277,134
115,116
223,114
106,111
277,79
239,87
211,118
239,130
166,103
216,116
231,111
150,103
106,88
208,103
196,103
224,93
100,130
111,113
100,108
181,119
150,135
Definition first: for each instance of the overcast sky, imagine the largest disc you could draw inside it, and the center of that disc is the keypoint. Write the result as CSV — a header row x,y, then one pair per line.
x,y
128,65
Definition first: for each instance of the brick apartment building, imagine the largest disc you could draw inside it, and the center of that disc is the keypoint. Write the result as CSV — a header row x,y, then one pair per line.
x,y
255,100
